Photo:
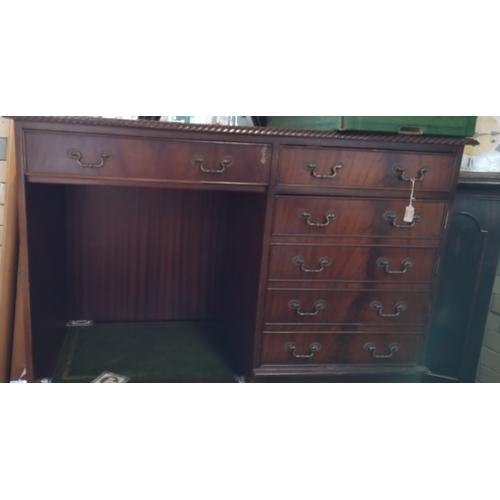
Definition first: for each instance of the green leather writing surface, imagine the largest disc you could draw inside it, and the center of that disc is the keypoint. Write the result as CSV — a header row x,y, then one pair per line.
x,y
146,352
461,126
306,122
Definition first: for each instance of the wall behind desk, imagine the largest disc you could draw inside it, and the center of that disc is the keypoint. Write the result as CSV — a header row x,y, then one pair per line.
x,y
4,128
489,363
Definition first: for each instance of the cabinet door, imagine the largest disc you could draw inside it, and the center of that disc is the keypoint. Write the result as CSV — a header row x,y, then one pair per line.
x,y
467,276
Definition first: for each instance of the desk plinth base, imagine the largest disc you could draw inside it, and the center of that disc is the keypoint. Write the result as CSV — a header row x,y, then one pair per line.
x,y
340,373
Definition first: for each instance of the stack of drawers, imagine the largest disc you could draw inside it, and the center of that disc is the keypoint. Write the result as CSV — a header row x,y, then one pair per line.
x,y
349,282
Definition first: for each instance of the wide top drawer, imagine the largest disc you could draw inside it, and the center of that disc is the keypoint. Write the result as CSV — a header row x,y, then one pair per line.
x,y
107,157
350,168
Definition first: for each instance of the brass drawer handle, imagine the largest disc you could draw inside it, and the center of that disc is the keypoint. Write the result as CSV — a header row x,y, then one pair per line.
x,y
377,306
295,304
313,349
391,217
383,262
199,161
398,169
74,154
301,262
372,348
312,167
329,216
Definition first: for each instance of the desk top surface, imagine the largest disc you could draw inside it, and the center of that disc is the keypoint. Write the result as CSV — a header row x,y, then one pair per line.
x,y
247,131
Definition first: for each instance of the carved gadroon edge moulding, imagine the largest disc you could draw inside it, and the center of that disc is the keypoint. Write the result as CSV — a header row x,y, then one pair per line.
x,y
255,131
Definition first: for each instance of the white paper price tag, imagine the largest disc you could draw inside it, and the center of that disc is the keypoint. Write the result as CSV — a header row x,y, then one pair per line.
x,y
410,210
409,214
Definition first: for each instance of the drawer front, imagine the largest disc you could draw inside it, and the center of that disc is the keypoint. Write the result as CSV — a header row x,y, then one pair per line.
x,y
350,263
339,349
149,159
348,168
368,217
342,306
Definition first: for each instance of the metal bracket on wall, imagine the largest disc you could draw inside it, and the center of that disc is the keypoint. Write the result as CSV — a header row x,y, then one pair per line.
x,y
80,322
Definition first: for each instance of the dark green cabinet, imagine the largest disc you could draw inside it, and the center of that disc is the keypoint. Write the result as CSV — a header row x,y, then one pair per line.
x,y
467,278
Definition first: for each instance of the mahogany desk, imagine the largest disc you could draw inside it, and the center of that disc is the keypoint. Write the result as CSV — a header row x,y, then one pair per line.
x,y
294,241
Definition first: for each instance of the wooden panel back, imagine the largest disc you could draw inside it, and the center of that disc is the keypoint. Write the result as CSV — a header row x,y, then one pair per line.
x,y
139,254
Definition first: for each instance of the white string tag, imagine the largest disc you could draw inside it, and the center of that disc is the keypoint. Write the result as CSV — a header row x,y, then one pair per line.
x,y
410,209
